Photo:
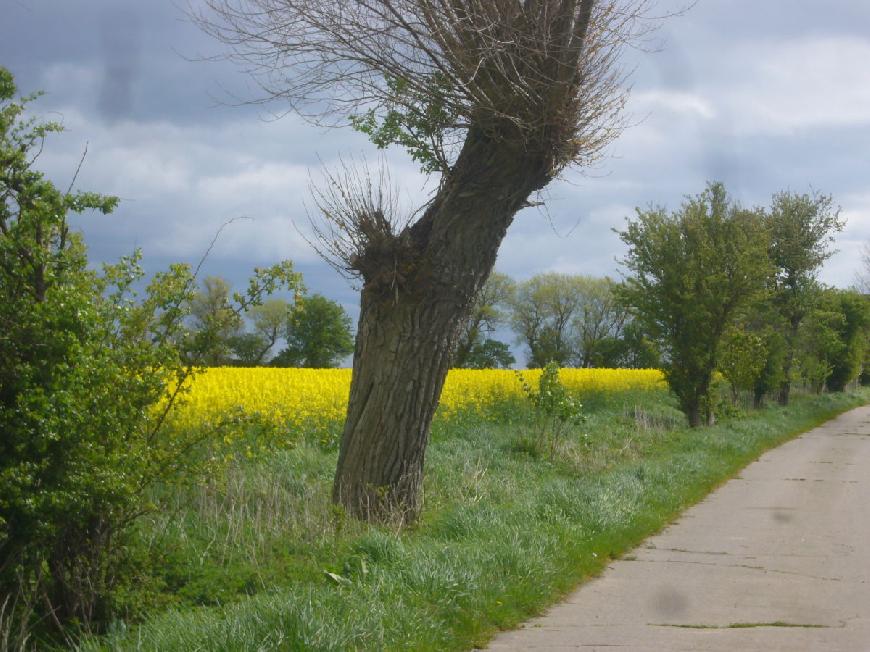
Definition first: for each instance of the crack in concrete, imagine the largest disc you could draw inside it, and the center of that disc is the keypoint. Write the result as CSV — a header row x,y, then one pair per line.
x,y
747,566
696,552
776,623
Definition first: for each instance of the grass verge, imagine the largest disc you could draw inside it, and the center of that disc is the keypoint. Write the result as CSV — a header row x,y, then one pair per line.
x,y
259,559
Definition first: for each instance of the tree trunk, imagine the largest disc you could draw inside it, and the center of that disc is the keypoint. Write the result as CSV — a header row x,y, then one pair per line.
x,y
758,398
791,343
710,417
693,414
784,393
401,360
698,402
411,308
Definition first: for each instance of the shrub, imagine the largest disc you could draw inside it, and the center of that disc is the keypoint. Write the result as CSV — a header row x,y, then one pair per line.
x,y
554,407
89,371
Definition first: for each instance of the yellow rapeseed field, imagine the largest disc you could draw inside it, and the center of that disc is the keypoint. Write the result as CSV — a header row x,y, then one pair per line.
x,y
304,397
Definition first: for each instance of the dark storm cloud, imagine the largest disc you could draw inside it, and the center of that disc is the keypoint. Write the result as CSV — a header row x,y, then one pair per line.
x,y
122,58
761,95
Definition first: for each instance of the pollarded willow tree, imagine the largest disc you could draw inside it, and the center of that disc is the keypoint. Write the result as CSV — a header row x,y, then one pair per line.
x,y
496,96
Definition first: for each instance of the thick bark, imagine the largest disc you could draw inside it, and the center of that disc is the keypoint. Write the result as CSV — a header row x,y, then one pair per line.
x,y
402,355
409,321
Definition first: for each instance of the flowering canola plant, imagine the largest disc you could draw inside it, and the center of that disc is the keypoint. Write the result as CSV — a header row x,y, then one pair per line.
x,y
314,397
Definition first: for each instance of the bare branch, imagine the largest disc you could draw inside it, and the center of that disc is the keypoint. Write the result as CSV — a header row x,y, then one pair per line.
x,y
359,226
546,71
75,176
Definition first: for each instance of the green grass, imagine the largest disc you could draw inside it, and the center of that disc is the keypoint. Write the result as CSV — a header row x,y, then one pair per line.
x,y
259,559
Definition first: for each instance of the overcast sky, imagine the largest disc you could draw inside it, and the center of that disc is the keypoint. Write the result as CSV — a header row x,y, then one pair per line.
x,y
763,95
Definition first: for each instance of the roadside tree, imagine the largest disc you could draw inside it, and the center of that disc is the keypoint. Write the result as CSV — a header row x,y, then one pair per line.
x,y
496,96
692,273
766,322
802,227
632,348
847,359
743,359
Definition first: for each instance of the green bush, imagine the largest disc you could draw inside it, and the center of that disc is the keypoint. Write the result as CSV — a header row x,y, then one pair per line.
x,y
848,360
89,370
554,409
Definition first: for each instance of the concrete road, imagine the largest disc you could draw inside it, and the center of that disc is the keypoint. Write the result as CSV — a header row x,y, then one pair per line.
x,y
776,559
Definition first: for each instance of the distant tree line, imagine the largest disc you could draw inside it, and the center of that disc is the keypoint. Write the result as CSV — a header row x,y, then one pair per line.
x,y
314,331
574,320
711,287
570,319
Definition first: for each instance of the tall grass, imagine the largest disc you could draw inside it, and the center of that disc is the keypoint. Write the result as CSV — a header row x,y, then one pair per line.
x,y
258,559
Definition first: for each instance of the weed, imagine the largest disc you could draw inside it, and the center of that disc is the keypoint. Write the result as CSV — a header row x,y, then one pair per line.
x,y
554,409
